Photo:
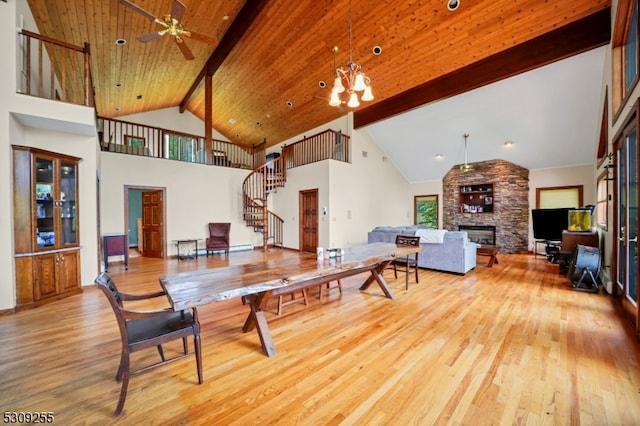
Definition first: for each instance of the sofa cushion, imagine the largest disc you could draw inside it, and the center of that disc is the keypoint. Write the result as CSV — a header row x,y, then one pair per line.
x,y
433,236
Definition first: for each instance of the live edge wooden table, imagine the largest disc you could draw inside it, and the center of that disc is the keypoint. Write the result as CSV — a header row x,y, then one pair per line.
x,y
257,282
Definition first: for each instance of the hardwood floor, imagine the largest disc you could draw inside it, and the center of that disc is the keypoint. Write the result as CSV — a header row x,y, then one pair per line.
x,y
511,344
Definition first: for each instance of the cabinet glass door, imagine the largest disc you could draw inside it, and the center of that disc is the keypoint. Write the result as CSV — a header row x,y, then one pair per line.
x,y
68,208
45,203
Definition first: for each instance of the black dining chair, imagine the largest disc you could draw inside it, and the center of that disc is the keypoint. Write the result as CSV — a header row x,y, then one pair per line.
x,y
409,261
145,329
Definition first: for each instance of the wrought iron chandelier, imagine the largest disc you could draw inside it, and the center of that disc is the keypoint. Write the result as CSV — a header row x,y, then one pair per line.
x,y
354,79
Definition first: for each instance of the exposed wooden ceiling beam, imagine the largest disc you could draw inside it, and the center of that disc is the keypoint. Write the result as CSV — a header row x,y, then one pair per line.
x,y
571,39
249,12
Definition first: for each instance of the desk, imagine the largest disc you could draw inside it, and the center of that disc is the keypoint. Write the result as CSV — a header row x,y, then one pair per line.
x,y
187,241
256,283
115,245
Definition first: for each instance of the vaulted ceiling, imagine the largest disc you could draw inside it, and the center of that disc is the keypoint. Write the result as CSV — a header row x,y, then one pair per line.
x,y
271,56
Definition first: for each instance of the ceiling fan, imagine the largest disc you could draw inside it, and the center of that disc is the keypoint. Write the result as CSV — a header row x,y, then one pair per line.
x,y
171,25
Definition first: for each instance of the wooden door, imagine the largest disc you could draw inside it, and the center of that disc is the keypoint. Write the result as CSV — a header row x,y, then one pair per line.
x,y
308,203
153,223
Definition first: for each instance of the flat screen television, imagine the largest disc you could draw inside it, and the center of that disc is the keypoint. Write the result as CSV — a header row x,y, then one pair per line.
x,y
548,224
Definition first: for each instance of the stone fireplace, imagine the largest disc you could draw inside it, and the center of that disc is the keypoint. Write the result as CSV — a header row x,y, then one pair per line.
x,y
510,197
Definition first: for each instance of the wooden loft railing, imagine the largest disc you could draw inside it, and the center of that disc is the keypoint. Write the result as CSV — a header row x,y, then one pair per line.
x,y
326,145
54,69
137,139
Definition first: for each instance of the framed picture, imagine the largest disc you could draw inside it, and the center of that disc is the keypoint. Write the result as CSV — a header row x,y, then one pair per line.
x,y
425,210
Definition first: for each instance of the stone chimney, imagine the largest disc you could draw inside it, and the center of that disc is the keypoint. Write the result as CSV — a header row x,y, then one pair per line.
x,y
510,213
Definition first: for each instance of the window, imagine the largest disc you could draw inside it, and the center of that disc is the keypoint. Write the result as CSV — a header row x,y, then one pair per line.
x,y
602,197
631,50
624,53
559,197
180,147
425,210
136,141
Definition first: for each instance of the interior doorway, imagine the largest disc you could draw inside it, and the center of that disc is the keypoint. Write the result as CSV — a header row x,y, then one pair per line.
x,y
308,213
144,220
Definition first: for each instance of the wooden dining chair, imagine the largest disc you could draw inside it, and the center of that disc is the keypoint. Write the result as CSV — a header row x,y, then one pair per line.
x,y
409,261
145,329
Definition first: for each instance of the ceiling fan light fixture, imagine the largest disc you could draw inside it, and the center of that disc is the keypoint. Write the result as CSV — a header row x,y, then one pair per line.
x,y
465,167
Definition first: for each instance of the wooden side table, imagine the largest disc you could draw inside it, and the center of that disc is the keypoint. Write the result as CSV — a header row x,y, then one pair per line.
x,y
489,250
187,241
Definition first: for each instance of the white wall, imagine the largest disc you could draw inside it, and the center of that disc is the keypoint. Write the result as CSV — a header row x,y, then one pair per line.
x,y
195,194
172,119
358,196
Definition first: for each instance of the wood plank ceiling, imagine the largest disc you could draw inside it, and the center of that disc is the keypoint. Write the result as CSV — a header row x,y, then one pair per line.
x,y
268,85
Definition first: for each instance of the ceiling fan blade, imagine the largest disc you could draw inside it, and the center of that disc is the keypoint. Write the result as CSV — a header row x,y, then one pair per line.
x,y
177,10
138,9
151,36
188,54
201,37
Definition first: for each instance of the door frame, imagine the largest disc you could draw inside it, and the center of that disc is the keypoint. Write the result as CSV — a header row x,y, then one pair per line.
x,y
164,211
301,222
631,124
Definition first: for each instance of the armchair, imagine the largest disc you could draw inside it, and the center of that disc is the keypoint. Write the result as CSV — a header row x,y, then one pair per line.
x,y
218,237
145,329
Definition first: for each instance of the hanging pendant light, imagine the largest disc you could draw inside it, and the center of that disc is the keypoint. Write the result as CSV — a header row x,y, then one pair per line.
x,y
354,79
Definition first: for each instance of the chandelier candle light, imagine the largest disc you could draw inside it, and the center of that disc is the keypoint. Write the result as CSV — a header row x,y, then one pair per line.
x,y
355,80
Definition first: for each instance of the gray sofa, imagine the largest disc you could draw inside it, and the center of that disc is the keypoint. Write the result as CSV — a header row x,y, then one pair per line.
x,y
455,254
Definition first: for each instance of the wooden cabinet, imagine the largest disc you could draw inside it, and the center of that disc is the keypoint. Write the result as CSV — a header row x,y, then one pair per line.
x,y
46,225
476,198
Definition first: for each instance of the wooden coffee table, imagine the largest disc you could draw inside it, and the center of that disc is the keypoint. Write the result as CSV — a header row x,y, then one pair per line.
x,y
489,250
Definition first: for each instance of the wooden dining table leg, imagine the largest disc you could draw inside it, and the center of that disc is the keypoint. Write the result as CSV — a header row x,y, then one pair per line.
x,y
256,319
376,275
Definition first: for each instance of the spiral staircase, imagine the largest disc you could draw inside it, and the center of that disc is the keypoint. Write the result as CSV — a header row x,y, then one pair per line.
x,y
255,191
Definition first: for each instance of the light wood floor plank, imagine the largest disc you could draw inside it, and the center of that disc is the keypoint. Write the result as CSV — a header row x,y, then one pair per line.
x,y
511,344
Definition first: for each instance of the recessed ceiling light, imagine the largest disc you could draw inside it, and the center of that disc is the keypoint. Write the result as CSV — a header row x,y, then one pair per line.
x,y
289,104
225,18
322,84
377,50
117,109
508,144
139,97
121,42
439,156
232,121
118,84
453,4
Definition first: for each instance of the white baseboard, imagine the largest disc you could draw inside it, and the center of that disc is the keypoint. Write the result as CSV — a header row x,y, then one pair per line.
x,y
241,247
